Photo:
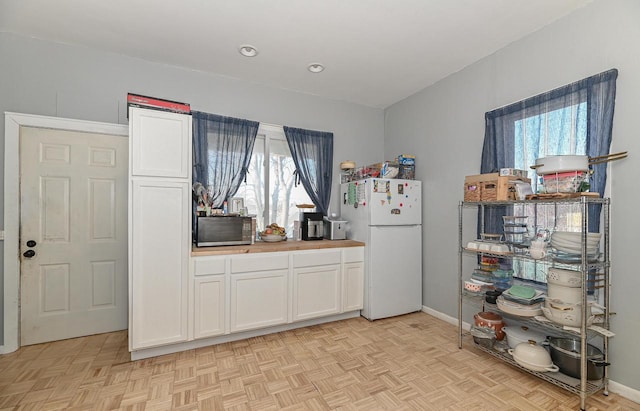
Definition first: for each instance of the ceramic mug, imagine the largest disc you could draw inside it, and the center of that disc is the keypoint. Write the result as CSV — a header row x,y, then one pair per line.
x,y
537,250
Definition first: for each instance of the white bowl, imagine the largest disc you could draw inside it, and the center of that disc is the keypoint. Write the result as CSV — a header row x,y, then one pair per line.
x,y
573,250
272,238
575,237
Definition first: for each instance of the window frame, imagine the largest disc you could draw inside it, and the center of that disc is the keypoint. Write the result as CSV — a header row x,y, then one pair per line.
x,y
266,135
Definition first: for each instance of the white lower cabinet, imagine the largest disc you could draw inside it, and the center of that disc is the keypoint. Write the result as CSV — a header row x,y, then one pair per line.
x,y
352,286
240,292
258,291
209,306
352,278
316,292
258,300
316,284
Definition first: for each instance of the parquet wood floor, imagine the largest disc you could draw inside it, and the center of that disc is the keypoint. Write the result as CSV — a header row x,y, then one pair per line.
x,y
410,362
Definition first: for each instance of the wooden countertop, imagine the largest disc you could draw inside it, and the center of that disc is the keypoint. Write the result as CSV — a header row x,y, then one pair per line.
x,y
263,247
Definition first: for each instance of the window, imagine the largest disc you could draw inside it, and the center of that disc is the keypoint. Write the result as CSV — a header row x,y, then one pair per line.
x,y
270,191
573,119
556,132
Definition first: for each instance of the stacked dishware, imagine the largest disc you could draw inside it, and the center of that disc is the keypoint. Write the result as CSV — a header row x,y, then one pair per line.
x,y
522,301
564,291
571,242
515,229
502,279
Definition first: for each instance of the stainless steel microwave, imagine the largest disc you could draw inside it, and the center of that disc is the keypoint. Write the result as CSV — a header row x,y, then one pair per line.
x,y
223,230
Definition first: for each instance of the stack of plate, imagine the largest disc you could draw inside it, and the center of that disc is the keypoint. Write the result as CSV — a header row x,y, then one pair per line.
x,y
571,242
536,298
521,310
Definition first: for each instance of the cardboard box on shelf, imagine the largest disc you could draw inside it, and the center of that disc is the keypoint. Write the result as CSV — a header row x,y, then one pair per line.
x,y
491,187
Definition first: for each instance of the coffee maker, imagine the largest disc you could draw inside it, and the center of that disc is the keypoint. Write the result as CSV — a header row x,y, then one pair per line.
x,y
312,226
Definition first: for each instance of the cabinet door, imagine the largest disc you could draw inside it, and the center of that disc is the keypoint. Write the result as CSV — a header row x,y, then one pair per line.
x,y
208,306
160,143
159,261
316,291
258,300
352,286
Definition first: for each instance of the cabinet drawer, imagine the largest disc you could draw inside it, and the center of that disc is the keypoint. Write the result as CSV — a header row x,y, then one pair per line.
x,y
313,258
353,254
260,262
209,265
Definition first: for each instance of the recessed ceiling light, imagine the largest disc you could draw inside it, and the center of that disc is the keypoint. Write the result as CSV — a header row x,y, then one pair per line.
x,y
248,50
315,67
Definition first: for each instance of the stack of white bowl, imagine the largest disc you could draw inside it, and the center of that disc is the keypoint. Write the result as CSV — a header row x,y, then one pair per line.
x,y
564,291
571,242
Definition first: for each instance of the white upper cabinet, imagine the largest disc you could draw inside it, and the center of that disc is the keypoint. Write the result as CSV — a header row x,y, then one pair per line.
x,y
161,146
160,228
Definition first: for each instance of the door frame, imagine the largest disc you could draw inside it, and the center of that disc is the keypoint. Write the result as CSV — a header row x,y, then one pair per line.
x,y
11,249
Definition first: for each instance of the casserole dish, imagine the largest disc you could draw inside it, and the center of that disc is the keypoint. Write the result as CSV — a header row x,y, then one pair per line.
x,y
533,357
566,314
522,334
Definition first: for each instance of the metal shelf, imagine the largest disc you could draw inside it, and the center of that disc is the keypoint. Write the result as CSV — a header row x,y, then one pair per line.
x,y
556,378
601,266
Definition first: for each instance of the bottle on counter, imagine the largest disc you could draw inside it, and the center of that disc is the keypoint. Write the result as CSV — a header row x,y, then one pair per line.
x,y
225,210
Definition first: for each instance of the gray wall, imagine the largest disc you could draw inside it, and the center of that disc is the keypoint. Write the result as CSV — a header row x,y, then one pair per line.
x,y
444,126
49,79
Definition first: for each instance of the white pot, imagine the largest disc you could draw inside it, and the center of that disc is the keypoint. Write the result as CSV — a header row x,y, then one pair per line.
x,y
521,334
533,357
570,295
566,314
567,278
559,164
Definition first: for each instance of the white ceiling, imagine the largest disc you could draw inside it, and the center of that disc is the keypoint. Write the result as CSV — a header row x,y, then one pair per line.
x,y
376,52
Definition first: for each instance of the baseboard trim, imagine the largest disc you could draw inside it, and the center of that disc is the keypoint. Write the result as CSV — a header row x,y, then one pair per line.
x,y
173,348
615,387
624,391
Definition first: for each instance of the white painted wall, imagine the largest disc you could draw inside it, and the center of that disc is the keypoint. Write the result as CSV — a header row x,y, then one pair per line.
x,y
50,79
443,126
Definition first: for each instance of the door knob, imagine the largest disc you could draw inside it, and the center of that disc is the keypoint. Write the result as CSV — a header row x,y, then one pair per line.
x,y
31,243
29,253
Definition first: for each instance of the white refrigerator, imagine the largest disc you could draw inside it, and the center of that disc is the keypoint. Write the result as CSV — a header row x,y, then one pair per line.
x,y
386,214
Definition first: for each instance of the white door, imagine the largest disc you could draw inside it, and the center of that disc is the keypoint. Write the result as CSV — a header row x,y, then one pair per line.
x,y
73,220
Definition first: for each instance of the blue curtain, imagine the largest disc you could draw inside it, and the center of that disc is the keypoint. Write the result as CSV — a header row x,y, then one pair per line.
x,y
509,126
222,148
312,153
